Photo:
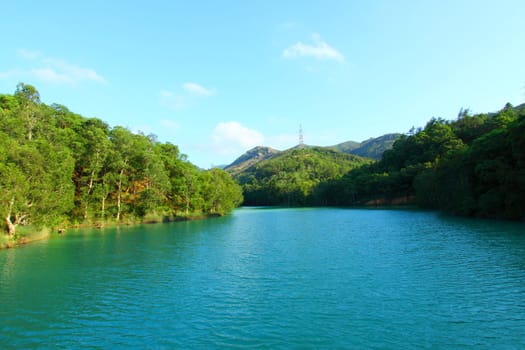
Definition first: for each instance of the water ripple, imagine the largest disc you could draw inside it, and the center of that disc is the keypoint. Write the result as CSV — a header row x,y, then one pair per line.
x,y
266,279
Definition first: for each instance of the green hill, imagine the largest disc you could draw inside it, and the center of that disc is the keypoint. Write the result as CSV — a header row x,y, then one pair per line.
x,y
371,148
290,177
346,147
473,166
250,158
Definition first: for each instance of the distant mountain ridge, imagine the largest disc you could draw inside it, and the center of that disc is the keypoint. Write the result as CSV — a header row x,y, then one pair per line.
x,y
291,177
371,148
251,157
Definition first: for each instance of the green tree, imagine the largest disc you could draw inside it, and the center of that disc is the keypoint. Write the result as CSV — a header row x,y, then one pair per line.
x,y
92,150
29,100
35,182
220,193
186,188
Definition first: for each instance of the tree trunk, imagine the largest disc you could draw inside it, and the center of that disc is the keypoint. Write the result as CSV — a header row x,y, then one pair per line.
x,y
118,205
11,228
90,188
86,205
119,194
31,123
103,209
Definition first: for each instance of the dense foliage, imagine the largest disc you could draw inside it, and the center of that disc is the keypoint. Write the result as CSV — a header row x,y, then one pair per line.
x,y
294,177
58,168
472,166
371,148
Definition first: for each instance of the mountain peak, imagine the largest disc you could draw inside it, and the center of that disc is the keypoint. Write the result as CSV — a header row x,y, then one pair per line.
x,y
250,158
370,148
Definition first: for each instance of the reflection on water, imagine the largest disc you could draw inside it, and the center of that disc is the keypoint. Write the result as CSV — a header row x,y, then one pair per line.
x,y
272,278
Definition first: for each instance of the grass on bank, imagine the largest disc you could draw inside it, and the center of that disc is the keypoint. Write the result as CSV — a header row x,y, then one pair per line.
x,y
27,234
24,234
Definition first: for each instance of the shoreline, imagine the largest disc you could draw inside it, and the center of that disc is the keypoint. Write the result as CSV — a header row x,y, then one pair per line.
x,y
36,235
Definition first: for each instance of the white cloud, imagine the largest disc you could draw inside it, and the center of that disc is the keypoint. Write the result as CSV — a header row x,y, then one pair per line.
x,y
50,75
319,50
197,89
52,70
182,99
172,100
232,138
69,73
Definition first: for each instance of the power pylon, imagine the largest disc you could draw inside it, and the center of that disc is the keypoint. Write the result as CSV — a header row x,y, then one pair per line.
x,y
301,138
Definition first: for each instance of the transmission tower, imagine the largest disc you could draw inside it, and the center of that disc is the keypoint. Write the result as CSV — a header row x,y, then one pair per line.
x,y
301,138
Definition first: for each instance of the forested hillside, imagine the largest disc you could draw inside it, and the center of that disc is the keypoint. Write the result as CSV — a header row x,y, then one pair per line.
x,y
58,168
293,177
371,148
473,166
249,158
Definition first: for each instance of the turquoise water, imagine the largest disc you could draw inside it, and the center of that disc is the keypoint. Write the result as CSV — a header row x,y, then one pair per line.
x,y
272,278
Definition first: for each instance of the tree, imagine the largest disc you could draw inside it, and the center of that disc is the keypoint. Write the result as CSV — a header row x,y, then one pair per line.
x,y
119,164
93,144
35,182
186,188
220,193
29,100
151,182
56,165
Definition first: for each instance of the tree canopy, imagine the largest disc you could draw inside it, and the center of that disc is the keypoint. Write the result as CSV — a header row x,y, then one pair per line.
x,y
292,177
58,168
474,166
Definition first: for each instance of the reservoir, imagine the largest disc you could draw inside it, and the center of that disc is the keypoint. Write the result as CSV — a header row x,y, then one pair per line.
x,y
269,278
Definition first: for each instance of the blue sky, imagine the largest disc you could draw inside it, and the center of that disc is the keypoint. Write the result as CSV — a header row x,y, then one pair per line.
x,y
219,77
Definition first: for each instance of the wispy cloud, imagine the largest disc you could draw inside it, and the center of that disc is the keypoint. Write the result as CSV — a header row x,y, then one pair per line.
x,y
319,50
172,100
70,73
184,96
52,70
197,89
232,138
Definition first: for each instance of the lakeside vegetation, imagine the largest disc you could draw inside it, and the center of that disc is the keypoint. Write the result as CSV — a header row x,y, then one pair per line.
x,y
60,169
471,166
294,177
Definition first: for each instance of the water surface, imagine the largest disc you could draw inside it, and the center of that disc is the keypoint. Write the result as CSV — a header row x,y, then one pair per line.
x,y
272,278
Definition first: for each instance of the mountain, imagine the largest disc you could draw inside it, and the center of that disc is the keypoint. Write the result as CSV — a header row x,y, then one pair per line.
x,y
292,177
345,147
371,148
251,157
520,108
